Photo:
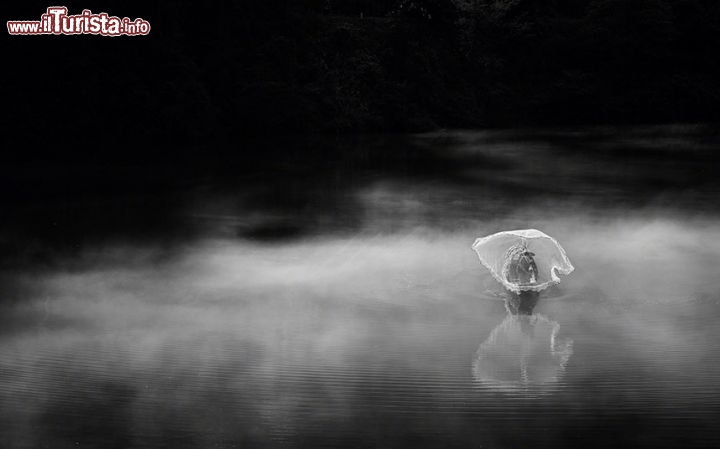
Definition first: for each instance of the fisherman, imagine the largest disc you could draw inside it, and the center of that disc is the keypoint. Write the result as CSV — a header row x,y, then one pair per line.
x,y
527,269
522,269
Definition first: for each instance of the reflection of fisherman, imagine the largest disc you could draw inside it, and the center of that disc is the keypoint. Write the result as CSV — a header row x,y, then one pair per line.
x,y
522,303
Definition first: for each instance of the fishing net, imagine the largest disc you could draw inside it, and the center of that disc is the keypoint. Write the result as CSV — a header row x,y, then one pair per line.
x,y
523,260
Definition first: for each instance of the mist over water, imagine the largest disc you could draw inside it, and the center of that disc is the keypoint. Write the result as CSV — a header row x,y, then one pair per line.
x,y
364,318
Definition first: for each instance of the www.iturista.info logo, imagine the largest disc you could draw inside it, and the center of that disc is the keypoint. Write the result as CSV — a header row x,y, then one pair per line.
x,y
56,21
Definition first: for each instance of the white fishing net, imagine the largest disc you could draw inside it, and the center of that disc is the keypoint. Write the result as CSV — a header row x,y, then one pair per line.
x,y
523,260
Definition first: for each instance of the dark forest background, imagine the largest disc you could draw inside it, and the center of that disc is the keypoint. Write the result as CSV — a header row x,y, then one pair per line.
x,y
217,72
110,136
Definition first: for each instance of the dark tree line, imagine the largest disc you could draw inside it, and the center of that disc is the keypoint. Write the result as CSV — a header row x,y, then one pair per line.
x,y
212,73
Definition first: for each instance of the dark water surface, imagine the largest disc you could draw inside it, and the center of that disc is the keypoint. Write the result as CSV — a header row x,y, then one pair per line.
x,y
331,299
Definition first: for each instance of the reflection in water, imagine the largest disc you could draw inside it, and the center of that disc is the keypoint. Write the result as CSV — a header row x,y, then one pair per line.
x,y
523,354
521,303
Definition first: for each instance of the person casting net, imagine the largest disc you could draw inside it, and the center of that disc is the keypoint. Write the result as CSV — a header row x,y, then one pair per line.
x,y
523,260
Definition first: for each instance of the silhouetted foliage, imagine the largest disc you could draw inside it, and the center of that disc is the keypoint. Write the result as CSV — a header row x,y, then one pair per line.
x,y
213,73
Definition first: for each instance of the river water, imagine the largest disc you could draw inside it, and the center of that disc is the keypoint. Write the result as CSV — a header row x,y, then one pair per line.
x,y
331,299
